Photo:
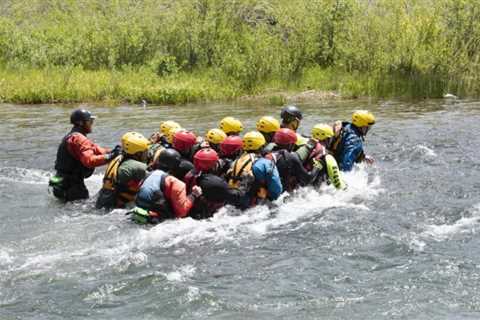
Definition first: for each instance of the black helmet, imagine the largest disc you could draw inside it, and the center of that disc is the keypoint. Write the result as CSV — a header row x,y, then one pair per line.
x,y
80,115
168,159
290,113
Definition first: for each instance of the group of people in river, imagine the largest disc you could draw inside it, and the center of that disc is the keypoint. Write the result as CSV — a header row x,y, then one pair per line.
x,y
175,173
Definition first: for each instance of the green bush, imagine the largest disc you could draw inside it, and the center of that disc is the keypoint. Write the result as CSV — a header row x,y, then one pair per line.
x,y
418,48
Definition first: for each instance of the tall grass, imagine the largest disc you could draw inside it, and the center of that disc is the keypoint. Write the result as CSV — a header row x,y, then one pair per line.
x,y
176,51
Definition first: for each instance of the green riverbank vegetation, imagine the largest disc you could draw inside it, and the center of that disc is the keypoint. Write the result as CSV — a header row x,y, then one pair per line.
x,y
180,51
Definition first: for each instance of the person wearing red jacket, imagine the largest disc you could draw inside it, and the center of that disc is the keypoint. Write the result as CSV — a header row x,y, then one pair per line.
x,y
162,196
77,157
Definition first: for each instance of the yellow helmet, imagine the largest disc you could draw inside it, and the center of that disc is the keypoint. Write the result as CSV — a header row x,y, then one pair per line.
x,y
363,118
231,125
171,133
253,141
133,142
215,136
166,126
322,131
268,124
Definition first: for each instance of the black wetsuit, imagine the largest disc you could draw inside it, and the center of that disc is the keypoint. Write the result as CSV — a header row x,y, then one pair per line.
x,y
291,170
215,194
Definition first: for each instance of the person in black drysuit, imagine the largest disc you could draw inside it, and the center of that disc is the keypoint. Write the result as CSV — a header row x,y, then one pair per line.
x,y
290,167
77,158
215,190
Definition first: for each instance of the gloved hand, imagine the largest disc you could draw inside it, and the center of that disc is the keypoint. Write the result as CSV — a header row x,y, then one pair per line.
x,y
114,153
317,164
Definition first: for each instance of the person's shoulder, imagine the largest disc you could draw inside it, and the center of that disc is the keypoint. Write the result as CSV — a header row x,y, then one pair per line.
x,y
262,161
134,164
76,137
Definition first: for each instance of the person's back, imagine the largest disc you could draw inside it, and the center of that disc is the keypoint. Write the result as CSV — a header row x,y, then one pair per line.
x,y
256,175
215,190
124,174
315,154
165,197
162,195
348,147
292,172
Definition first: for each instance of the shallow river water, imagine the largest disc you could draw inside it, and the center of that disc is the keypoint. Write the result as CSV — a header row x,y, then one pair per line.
x,y
401,243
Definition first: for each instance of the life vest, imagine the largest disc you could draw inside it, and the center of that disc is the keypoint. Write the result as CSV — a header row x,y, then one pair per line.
x,y
337,139
317,153
242,170
124,194
151,197
67,166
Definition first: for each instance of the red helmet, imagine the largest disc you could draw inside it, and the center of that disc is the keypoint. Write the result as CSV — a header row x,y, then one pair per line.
x,y
231,145
285,136
205,159
184,140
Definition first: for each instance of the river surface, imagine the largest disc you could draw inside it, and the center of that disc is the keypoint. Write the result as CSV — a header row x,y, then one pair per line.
x,y
401,243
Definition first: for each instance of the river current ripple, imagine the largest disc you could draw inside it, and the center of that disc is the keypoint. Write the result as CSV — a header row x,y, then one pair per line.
x,y
401,243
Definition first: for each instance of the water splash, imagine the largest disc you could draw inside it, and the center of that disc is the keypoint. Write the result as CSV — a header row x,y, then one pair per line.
x,y
180,274
465,225
422,151
113,243
24,175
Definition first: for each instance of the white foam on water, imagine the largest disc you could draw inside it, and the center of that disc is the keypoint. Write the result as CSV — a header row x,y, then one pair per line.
x,y
424,150
41,177
193,294
5,257
94,183
24,175
232,225
104,293
128,245
465,225
181,274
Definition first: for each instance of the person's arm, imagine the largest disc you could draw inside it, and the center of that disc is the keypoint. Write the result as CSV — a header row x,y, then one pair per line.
x,y
304,177
176,193
99,150
86,151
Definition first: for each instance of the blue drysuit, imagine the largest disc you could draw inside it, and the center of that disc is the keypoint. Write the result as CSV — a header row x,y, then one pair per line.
x,y
266,173
350,148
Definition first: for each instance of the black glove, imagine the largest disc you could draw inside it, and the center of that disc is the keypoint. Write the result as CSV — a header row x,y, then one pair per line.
x,y
114,153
